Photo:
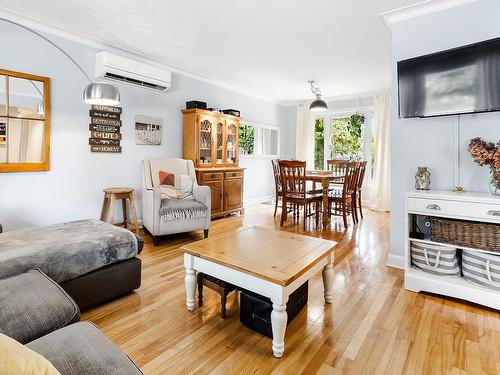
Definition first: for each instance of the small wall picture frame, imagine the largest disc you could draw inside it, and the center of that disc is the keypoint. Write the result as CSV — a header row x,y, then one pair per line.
x,y
148,130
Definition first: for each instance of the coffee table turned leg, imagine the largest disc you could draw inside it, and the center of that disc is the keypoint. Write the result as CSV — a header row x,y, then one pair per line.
x,y
200,290
223,301
278,324
190,281
328,281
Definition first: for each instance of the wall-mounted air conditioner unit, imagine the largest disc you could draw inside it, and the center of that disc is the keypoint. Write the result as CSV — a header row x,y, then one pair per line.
x,y
121,69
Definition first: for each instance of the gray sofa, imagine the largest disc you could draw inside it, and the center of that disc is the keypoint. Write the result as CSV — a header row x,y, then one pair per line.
x,y
92,260
35,311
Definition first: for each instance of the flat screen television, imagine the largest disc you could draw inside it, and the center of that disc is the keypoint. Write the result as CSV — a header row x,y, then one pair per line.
x,y
457,81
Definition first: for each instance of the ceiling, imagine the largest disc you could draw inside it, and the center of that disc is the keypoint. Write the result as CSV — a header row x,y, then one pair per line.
x,y
268,48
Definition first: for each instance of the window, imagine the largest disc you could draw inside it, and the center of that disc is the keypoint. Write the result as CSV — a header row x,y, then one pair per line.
x,y
319,143
258,140
246,139
349,136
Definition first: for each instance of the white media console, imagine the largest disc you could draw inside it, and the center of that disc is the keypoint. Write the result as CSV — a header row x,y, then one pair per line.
x,y
482,207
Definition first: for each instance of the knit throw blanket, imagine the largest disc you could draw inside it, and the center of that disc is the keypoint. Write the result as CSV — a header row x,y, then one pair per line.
x,y
187,209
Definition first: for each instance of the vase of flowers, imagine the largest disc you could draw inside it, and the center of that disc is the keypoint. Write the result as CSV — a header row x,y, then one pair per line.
x,y
487,154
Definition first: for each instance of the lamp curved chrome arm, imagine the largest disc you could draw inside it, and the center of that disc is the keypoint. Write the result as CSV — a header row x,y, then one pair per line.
x,y
95,92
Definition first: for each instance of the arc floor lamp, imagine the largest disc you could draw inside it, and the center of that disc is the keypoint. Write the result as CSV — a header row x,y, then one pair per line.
x,y
95,92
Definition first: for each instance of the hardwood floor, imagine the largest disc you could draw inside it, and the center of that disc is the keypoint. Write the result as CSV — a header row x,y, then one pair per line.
x,y
373,325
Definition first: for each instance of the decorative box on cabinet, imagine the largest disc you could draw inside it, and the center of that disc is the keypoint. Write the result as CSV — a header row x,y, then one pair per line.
x,y
211,142
226,185
476,207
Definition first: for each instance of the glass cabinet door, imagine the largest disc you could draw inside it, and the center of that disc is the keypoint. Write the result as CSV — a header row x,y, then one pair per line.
x,y
219,143
206,141
231,143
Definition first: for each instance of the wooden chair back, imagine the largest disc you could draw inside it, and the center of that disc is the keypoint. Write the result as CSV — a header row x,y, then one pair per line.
x,y
293,178
350,178
361,174
276,173
338,167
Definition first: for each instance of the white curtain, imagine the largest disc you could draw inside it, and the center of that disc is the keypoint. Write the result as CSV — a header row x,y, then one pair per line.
x,y
305,136
382,177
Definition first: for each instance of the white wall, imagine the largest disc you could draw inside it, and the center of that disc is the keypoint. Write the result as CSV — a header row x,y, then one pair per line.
x,y
429,142
291,132
72,189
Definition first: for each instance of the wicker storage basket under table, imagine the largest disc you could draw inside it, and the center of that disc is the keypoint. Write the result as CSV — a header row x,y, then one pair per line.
x,y
476,235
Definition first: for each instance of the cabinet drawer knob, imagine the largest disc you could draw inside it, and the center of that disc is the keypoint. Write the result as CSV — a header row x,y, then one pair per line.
x,y
234,174
494,212
433,207
212,176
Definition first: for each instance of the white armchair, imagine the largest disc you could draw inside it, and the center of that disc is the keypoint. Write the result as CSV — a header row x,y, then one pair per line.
x,y
152,201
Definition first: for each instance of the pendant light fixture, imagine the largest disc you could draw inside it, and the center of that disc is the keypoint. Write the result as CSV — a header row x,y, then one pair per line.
x,y
317,105
95,92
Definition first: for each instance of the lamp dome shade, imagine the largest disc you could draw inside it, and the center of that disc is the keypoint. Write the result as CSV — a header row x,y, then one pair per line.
x,y
318,105
101,94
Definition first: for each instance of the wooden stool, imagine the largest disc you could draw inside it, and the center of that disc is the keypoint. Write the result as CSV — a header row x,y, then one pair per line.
x,y
111,195
217,285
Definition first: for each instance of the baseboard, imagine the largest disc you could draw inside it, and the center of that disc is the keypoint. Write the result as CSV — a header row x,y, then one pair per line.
x,y
258,200
396,261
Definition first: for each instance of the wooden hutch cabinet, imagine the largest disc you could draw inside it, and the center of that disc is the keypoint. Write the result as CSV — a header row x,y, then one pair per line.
x,y
211,141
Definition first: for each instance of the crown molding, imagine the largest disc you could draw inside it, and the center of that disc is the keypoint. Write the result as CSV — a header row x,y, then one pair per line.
x,y
333,99
77,37
419,9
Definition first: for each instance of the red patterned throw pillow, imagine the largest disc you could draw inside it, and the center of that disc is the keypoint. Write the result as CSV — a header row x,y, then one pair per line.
x,y
167,178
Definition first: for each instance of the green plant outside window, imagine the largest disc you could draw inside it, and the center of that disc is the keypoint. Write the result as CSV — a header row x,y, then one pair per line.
x,y
347,137
246,139
319,143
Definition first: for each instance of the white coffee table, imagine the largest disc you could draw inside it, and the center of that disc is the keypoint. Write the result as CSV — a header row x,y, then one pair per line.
x,y
269,262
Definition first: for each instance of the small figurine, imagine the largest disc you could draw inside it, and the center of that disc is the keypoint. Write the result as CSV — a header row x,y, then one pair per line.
x,y
458,189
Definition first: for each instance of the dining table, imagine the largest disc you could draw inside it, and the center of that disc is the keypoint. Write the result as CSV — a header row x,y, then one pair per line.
x,y
325,178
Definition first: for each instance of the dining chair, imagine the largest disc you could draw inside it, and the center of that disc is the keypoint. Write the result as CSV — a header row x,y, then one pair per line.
x,y
359,185
337,166
293,182
277,185
342,202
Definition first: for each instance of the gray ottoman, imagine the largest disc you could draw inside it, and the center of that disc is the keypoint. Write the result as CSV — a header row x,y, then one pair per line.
x,y
32,305
82,349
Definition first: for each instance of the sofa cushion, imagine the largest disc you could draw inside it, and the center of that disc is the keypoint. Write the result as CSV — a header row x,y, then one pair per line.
x,y
32,305
65,251
16,359
82,349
